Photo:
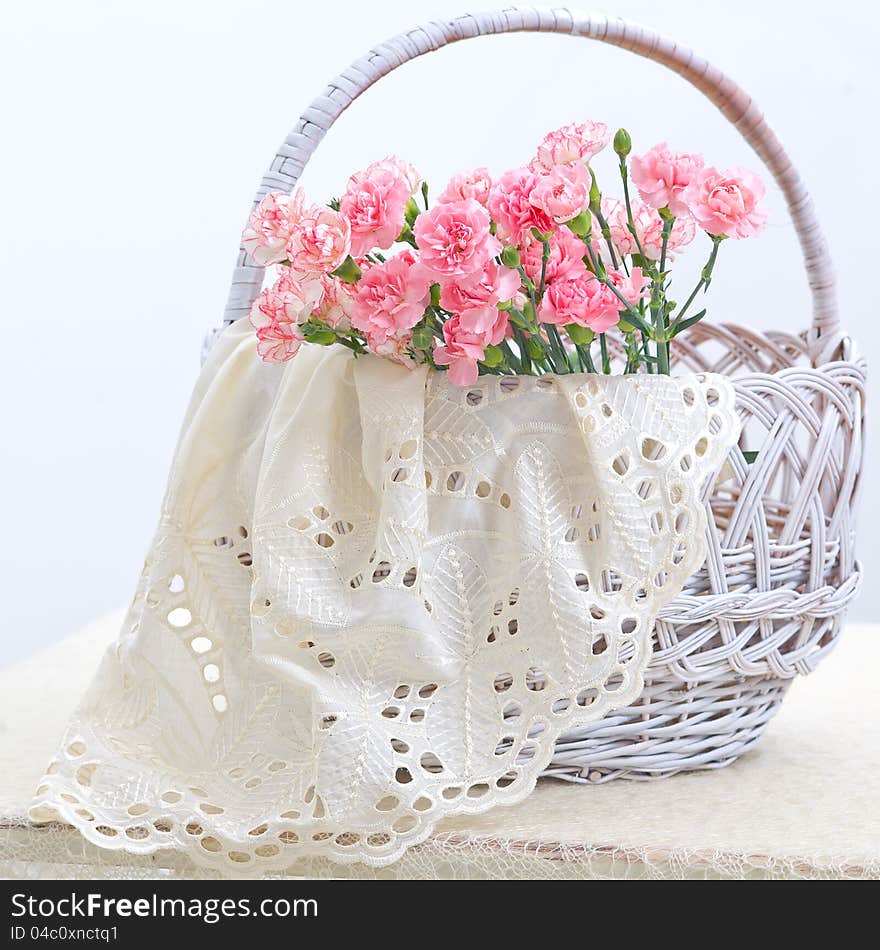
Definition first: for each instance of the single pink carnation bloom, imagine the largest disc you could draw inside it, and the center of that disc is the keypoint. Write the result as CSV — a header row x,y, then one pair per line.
x,y
336,304
389,297
649,228
395,346
401,169
566,261
511,208
562,193
629,286
319,242
454,239
661,176
277,313
474,184
288,300
475,299
375,204
727,202
270,225
570,145
461,351
279,342
587,302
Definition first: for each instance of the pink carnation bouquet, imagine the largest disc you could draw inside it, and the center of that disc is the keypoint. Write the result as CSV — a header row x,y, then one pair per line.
x,y
527,272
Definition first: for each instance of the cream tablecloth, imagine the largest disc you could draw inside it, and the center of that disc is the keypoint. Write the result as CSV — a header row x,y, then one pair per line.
x,y
806,803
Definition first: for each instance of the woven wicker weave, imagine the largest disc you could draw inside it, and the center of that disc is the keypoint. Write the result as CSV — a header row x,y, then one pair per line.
x,y
780,572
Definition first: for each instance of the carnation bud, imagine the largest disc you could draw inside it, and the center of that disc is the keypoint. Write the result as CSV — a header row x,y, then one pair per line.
x,y
595,194
579,335
535,348
622,143
510,257
435,295
493,356
582,225
412,212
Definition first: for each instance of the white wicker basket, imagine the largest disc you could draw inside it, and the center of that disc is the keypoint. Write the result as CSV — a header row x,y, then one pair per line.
x,y
770,600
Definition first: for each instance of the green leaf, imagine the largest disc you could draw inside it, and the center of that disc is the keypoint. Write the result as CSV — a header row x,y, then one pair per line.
x,y
750,457
680,325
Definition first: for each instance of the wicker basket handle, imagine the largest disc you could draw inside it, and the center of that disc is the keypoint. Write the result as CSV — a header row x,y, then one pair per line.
x,y
735,104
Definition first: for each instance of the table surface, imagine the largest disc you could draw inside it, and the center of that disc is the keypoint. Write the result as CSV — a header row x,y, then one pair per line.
x,y
803,804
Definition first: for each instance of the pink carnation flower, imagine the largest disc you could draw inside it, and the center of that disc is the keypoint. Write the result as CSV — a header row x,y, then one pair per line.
x,y
474,184
586,301
629,286
375,203
407,173
319,242
394,346
461,351
511,208
336,304
475,299
727,202
277,313
454,239
279,342
649,228
570,145
288,300
562,193
566,261
389,297
661,176
270,225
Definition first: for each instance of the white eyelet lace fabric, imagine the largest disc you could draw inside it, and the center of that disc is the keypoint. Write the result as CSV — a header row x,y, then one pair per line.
x,y
375,600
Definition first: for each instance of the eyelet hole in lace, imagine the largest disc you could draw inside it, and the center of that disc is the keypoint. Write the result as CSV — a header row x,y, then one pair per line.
x,y
179,617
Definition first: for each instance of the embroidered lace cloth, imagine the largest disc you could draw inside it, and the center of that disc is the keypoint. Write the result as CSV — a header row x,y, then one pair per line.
x,y
375,600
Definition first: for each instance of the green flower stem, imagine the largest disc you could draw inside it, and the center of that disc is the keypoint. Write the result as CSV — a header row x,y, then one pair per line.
x,y
646,351
515,364
558,348
529,286
606,359
705,275
545,256
606,234
624,176
583,350
524,358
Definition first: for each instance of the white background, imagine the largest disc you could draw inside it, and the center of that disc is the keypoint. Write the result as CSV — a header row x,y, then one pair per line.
x,y
135,134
